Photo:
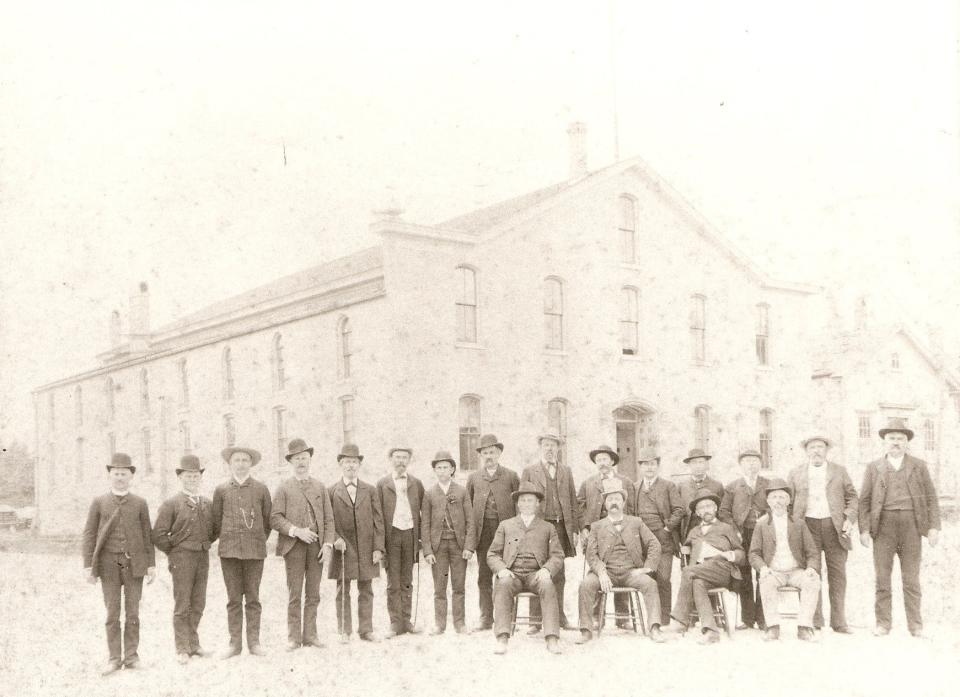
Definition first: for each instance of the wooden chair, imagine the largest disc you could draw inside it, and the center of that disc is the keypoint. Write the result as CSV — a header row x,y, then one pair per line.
x,y
794,612
528,620
725,602
634,613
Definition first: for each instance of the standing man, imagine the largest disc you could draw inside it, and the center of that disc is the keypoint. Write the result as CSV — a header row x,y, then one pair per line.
x,y
241,519
184,532
824,499
118,550
621,551
559,509
715,558
784,553
744,501
491,495
590,495
400,495
699,463
303,518
526,556
448,541
359,524
659,505
898,507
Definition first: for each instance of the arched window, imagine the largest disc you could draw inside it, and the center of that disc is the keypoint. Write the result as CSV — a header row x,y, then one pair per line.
x,y
279,369
184,382
895,361
701,428
78,405
553,313
346,418
929,436
469,419
227,361
698,328
144,392
766,438
466,305
763,334
627,225
557,422
629,321
344,346
109,397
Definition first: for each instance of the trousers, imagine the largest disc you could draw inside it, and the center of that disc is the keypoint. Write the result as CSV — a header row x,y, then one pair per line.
x,y
898,535
560,580
304,574
484,573
189,569
450,564
242,579
400,558
632,578
505,589
364,607
809,594
751,601
828,543
116,579
695,581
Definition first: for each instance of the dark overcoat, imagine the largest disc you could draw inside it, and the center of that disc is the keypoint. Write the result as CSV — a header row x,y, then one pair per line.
x,y
360,525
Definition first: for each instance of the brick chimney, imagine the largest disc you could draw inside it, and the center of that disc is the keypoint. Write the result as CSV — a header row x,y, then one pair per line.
x,y
577,131
140,311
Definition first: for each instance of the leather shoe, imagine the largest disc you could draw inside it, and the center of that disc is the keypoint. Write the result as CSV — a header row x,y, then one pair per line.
x,y
183,659
843,630
534,629
881,631
622,624
656,636
710,636
461,629
199,652
132,664
110,667
501,647
805,634
344,638
392,634
483,626
314,643
918,633
565,624
256,650
586,636
437,631
553,646
772,633
229,652
292,646
410,629
368,636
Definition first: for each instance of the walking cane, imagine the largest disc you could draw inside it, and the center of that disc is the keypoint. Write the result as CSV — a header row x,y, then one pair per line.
x,y
343,588
416,597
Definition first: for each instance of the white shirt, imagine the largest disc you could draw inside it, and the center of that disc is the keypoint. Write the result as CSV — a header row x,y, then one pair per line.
x,y
193,497
118,493
895,463
817,506
782,558
751,484
445,488
402,516
527,519
352,492
648,483
551,468
241,481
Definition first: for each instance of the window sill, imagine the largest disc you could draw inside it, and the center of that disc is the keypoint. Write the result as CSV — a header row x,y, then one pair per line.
x,y
472,347
554,352
631,357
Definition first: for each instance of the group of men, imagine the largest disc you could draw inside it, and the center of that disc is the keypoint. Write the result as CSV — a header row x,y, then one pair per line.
x,y
522,528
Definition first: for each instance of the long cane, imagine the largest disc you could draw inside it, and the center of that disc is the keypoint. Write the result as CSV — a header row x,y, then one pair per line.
x,y
343,588
416,596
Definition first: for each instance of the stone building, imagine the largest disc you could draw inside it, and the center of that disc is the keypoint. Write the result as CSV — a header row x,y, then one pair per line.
x,y
604,307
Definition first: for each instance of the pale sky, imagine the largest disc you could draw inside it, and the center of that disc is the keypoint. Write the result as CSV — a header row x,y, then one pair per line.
x,y
146,142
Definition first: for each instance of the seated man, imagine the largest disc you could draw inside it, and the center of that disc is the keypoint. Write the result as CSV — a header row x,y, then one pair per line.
x,y
778,548
621,551
715,556
524,556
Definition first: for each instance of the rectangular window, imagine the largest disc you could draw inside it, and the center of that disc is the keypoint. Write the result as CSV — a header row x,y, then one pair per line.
x,y
346,416
627,225
557,422
701,434
864,432
467,305
629,321
766,438
469,419
698,328
929,436
553,314
763,334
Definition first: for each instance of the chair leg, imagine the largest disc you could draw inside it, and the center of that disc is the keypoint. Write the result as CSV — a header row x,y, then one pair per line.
x,y
730,618
516,608
641,618
633,611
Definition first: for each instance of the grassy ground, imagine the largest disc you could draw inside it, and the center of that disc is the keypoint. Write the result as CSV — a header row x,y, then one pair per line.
x,y
52,643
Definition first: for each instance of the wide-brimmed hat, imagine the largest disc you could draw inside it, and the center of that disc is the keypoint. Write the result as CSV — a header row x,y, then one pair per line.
x,y
443,456
550,435
528,488
400,449
826,441
897,425
488,440
297,446
189,463
778,484
750,452
604,449
349,450
612,486
227,453
700,496
648,454
695,453
121,460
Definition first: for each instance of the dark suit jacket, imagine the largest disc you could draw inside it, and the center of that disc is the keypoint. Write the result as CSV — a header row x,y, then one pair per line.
x,y
666,497
642,545
290,511
436,504
361,527
567,494
738,500
545,544
763,545
687,492
841,497
387,491
241,518
504,483
104,513
174,520
926,507
590,499
722,536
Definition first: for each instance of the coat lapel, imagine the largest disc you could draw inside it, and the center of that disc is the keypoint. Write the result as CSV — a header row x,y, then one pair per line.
x,y
341,490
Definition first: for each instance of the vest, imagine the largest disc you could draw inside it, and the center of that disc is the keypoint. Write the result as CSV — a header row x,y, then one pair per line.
x,y
898,495
116,542
552,510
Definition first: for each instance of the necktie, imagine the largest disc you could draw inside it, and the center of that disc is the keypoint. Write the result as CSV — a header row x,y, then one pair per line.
x,y
352,490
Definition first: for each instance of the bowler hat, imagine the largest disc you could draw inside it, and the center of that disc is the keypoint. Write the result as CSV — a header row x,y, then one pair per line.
x,y
443,456
120,460
778,484
613,486
227,453
749,453
695,453
897,425
648,454
487,440
605,449
826,441
700,496
189,463
297,446
349,450
400,449
528,488
549,435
